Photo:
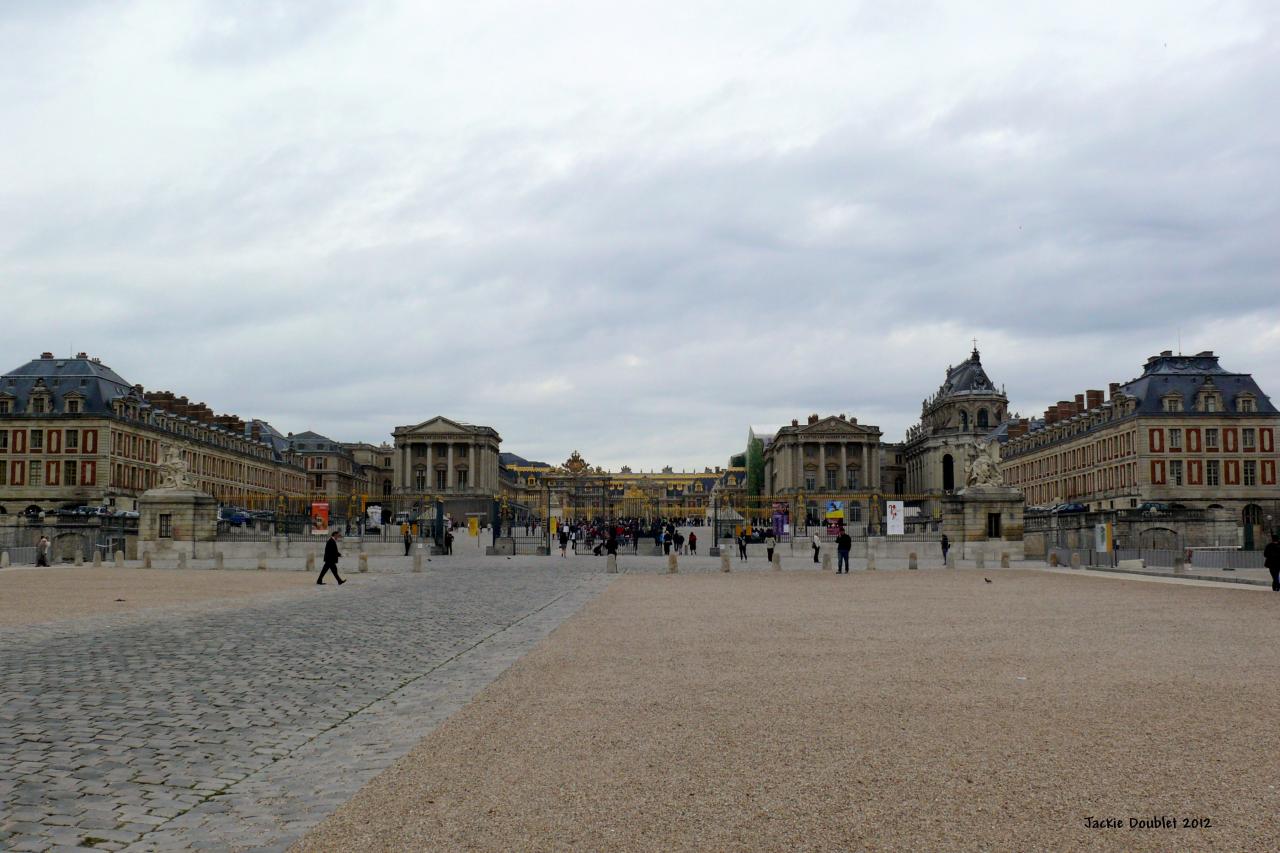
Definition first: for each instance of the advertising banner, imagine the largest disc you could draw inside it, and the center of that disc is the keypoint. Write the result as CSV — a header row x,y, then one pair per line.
x,y
895,518
473,526
835,509
780,511
1102,538
374,516
320,518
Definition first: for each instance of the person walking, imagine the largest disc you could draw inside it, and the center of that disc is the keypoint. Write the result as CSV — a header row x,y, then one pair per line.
x,y
693,544
564,543
1271,559
844,544
42,552
946,546
742,547
408,540
666,543
770,542
817,545
448,542
331,557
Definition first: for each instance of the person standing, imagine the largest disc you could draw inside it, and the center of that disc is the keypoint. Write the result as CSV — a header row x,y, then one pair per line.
x,y
331,557
946,546
817,545
42,552
448,541
770,542
611,543
564,543
408,540
1271,559
742,547
843,545
693,544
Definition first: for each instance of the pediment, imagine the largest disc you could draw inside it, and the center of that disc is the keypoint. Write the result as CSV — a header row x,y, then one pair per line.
x,y
834,424
439,425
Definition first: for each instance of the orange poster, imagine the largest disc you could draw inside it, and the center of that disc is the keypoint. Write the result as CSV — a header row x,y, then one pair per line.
x,y
320,518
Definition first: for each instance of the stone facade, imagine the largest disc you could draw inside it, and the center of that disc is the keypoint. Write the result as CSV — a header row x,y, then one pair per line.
x,y
832,455
73,432
453,462
966,410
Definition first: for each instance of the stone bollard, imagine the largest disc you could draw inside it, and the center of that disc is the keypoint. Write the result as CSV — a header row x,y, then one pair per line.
x,y
262,561
364,563
146,559
1053,560
97,558
182,559
980,561
912,561
219,561
724,561
871,560
79,558
951,560
826,561
4,559
119,559
1179,566
1004,559
611,564
673,567
417,561
311,562
777,560
1075,561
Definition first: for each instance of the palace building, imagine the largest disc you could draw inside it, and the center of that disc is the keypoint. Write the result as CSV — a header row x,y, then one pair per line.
x,y
1187,433
74,432
454,462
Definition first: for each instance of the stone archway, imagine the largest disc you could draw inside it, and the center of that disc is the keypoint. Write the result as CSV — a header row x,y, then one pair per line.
x,y
1251,519
65,546
1159,539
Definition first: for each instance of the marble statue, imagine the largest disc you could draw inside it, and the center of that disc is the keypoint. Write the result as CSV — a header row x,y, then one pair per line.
x,y
173,470
984,467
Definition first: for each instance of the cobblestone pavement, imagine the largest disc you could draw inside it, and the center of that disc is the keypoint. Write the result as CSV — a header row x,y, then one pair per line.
x,y
241,727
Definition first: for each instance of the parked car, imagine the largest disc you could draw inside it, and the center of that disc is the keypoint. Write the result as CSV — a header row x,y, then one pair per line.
x,y
234,516
71,511
1153,507
1063,509
127,513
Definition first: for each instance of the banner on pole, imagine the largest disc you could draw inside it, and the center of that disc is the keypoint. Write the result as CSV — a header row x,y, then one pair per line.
x,y
895,518
320,518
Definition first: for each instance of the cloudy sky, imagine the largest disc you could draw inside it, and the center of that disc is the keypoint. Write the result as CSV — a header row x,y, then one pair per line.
x,y
635,229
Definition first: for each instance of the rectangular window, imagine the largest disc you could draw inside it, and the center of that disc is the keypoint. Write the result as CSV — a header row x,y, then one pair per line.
x,y
811,483
831,481
319,481
69,473
73,440
1211,404
166,526
4,474
36,474
1250,472
1211,438
37,405
1248,438
1175,472
462,479
4,441
441,479
37,440
1211,473
73,407
4,407
1175,439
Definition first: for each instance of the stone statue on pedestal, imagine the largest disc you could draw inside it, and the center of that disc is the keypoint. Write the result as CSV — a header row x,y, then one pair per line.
x,y
173,470
984,466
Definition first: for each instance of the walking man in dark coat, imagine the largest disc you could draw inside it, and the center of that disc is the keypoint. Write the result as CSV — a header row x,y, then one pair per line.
x,y
1271,559
946,546
331,557
408,541
844,544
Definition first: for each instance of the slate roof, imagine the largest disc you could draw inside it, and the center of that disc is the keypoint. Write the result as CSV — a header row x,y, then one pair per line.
x,y
95,383
1187,374
968,375
312,442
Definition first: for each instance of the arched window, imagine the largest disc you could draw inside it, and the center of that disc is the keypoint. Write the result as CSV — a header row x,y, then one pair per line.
x,y
964,421
983,421
948,473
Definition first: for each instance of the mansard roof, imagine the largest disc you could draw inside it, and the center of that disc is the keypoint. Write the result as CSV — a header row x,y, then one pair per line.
x,y
1186,375
95,384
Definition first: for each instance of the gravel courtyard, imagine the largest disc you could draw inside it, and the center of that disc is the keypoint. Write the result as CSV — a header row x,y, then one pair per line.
x,y
889,711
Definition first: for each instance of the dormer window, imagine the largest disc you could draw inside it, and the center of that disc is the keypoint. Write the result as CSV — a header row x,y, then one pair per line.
x,y
1246,403
73,407
39,404
1172,403
5,407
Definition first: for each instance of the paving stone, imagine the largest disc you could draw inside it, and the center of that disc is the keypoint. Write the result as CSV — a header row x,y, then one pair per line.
x,y
124,727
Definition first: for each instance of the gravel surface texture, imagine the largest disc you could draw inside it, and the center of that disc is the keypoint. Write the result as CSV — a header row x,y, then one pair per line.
x,y
31,596
888,711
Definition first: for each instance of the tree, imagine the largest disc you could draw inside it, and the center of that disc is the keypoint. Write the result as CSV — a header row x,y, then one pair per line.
x,y
755,466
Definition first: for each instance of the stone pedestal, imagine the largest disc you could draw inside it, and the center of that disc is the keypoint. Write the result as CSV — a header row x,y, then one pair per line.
x,y
980,514
173,520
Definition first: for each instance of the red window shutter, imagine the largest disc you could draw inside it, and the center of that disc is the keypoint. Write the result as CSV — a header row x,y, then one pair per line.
x,y
88,473
1155,439
1193,441
19,442
1266,439
55,441
1232,472
51,470
91,441
1230,440
18,474
1268,472
1157,472
1195,471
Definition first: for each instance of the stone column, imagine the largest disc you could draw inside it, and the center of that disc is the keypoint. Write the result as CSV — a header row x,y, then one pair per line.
x,y
822,465
843,479
448,473
875,466
473,476
866,478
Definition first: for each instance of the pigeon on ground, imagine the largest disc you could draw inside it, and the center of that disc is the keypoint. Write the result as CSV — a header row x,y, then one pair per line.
x,y
988,580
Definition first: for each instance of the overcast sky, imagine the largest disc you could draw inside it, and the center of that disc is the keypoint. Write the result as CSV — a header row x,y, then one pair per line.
x,y
635,229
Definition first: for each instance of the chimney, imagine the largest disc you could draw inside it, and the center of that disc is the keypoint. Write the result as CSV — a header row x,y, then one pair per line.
x,y
1051,415
46,355
82,355
1166,353
1079,403
813,419
1113,388
1065,409
795,422
1094,398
